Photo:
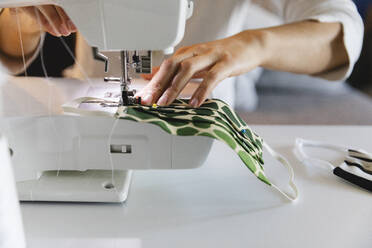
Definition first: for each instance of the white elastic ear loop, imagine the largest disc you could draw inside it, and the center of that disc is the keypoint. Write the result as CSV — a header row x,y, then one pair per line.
x,y
21,41
301,155
286,164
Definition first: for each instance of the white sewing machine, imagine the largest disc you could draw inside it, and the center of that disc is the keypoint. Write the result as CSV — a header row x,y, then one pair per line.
x,y
59,157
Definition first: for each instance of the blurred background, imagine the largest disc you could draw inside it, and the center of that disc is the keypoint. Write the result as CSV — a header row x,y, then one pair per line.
x,y
285,98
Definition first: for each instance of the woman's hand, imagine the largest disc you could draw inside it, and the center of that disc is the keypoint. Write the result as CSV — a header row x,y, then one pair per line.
x,y
306,47
53,19
213,62
29,23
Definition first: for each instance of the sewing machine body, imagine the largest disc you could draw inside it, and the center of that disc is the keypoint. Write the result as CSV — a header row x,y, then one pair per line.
x,y
73,158
60,157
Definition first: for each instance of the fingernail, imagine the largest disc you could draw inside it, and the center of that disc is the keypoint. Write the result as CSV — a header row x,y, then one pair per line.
x,y
51,30
57,34
194,103
163,100
63,30
71,25
147,99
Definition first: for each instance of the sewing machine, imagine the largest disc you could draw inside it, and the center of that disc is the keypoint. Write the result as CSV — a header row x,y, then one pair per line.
x,y
60,157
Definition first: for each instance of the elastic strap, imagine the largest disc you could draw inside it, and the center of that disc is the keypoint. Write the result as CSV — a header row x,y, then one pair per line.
x,y
312,143
287,165
301,155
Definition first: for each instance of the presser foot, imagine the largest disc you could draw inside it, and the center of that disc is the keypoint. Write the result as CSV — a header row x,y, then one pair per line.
x,y
141,63
127,98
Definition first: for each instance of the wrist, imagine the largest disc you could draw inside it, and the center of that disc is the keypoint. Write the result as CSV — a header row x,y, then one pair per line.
x,y
259,40
266,49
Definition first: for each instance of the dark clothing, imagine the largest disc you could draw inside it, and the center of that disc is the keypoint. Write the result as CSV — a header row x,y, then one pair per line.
x,y
363,6
56,57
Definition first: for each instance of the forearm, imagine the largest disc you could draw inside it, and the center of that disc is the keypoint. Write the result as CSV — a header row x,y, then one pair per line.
x,y
10,43
307,47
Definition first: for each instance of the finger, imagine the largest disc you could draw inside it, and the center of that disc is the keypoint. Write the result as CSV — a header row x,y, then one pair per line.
x,y
41,20
38,17
185,73
201,74
65,30
216,74
197,75
29,11
66,20
54,21
155,88
16,11
150,76
13,11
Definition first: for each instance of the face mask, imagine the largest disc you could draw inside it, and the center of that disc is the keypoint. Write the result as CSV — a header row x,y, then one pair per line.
x,y
214,119
356,167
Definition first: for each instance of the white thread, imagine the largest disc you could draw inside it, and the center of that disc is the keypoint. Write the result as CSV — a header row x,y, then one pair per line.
x,y
91,84
103,24
85,75
50,93
21,41
49,83
22,50
110,155
73,107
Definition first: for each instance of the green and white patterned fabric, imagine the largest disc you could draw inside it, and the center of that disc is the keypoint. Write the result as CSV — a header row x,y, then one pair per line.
x,y
214,119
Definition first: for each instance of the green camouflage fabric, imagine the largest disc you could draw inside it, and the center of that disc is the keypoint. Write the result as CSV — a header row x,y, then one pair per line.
x,y
214,119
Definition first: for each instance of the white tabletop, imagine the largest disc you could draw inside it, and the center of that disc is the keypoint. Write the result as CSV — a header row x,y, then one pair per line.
x,y
221,204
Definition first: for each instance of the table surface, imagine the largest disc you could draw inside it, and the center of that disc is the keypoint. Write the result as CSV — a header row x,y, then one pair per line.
x,y
221,204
